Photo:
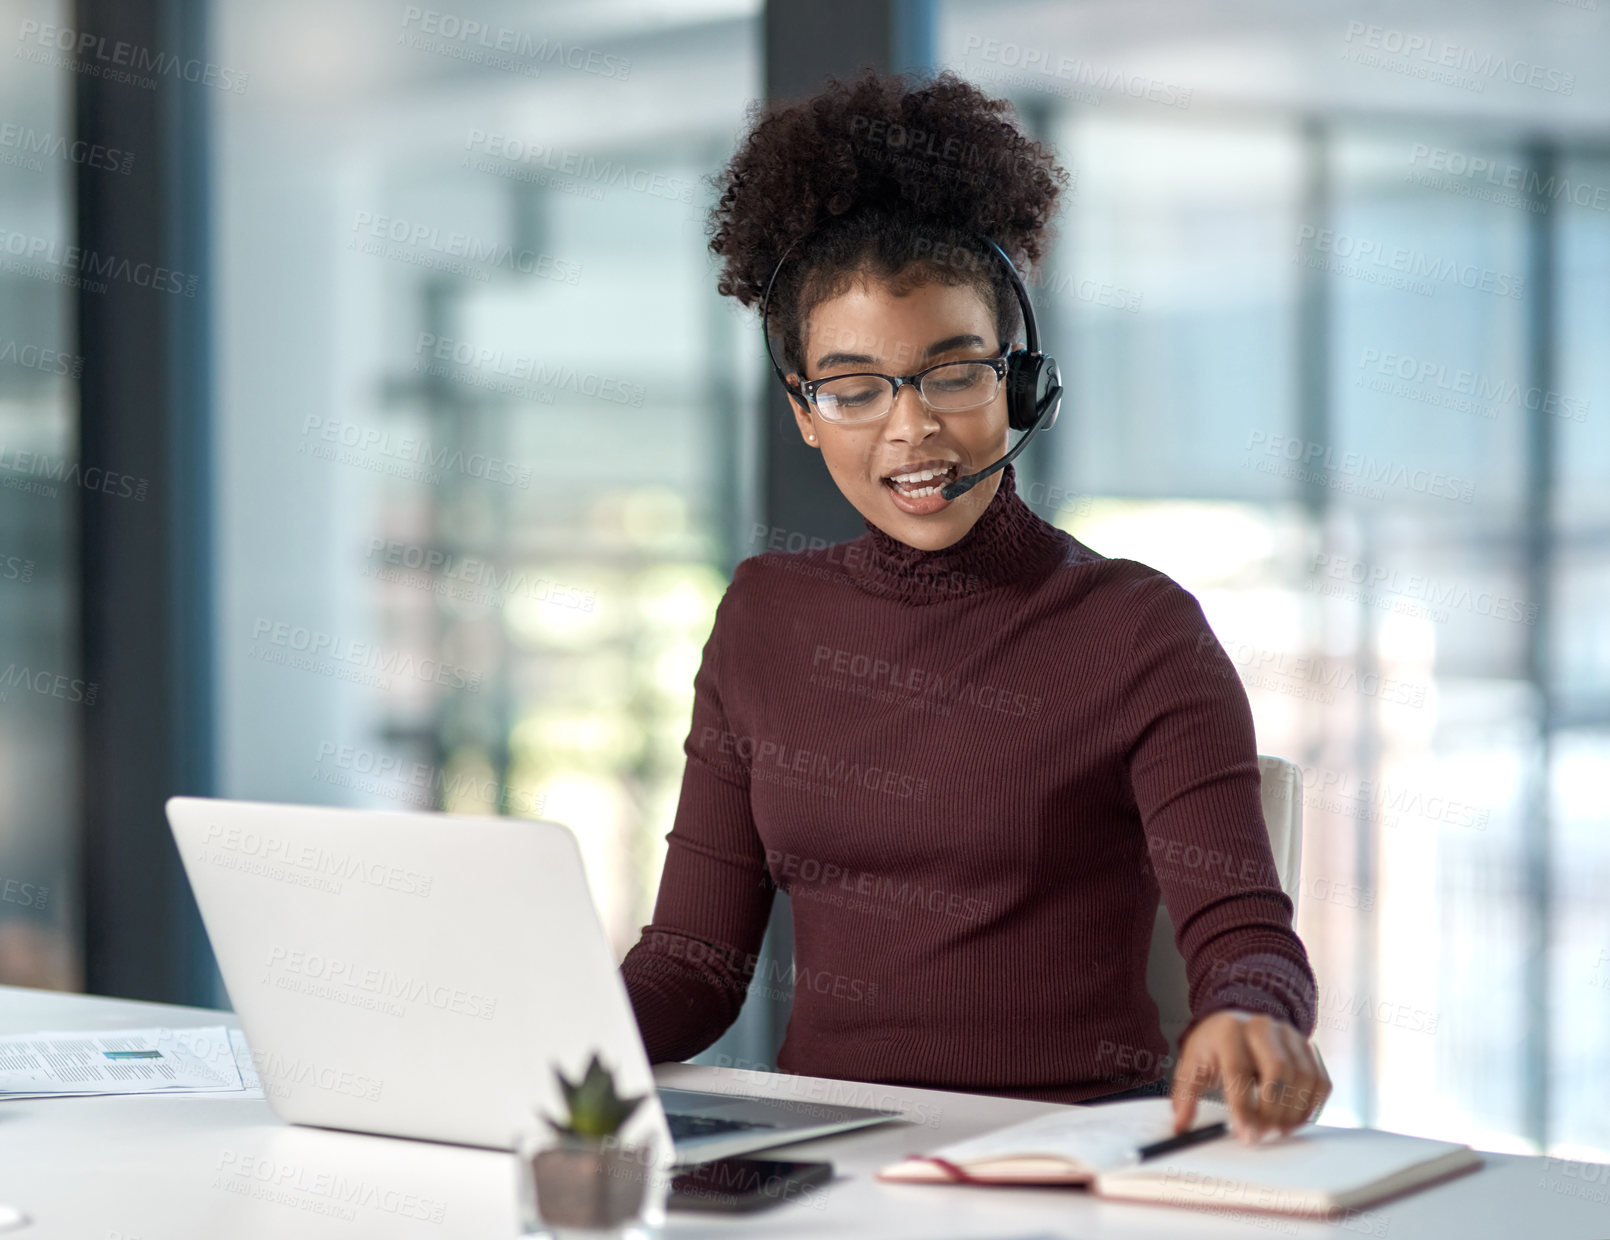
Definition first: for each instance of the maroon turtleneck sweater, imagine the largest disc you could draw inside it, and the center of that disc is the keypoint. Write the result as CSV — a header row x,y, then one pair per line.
x,y
973,770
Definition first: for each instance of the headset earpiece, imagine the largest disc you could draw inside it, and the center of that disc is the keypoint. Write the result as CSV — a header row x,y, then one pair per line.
x,y
1031,379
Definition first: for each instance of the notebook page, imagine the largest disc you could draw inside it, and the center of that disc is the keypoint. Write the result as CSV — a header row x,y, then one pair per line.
x,y
1093,1137
1314,1168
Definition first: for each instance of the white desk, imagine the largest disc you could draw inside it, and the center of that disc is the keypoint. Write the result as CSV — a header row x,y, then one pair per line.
x,y
129,1168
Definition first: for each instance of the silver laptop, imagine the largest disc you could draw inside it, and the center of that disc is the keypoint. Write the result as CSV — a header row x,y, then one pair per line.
x,y
422,975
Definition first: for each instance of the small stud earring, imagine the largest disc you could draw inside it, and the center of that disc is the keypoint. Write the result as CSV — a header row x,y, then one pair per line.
x,y
811,438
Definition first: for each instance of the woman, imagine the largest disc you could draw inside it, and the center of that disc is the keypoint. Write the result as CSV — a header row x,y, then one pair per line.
x,y
973,750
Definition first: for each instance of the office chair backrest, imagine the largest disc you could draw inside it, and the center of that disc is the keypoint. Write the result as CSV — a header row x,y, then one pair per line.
x,y
1283,815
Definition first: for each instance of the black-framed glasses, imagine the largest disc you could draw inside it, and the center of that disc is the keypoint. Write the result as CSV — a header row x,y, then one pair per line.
x,y
949,387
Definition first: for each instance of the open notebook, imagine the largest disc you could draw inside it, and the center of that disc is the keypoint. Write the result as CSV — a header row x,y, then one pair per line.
x,y
1314,1171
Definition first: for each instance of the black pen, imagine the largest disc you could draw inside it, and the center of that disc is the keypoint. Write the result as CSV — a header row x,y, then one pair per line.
x,y
1169,1144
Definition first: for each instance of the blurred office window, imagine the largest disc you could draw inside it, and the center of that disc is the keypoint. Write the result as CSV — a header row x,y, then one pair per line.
x,y
42,695
482,464
1302,347
1578,774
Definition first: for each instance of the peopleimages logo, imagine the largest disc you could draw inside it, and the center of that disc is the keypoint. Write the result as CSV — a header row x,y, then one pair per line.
x,y
41,465
1037,64
509,153
503,39
419,783
808,1092
1319,461
402,456
1527,181
80,49
28,895
318,1192
796,767
1328,250
1419,55
806,877
921,683
16,568
333,978
328,862
482,582
1472,392
1439,597
1311,676
47,684
522,370
93,264
421,244
315,651
37,357
279,1072
29,143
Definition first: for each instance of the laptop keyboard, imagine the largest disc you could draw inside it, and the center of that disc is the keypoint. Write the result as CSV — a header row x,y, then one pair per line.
x,y
685,1127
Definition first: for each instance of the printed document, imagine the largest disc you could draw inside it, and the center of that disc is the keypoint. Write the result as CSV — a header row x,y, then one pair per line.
x,y
124,1061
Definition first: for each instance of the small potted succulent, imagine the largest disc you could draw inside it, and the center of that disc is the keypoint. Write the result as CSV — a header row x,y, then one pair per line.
x,y
588,1179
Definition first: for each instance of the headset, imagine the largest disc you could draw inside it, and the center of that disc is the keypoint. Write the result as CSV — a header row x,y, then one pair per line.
x,y
1033,381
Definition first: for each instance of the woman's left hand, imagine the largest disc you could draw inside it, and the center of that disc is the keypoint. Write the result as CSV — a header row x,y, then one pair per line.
x,y
1271,1077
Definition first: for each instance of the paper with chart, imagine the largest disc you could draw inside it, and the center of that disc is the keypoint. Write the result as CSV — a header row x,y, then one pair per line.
x,y
155,1060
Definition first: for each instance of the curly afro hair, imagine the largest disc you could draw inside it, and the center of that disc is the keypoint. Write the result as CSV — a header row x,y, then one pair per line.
x,y
890,176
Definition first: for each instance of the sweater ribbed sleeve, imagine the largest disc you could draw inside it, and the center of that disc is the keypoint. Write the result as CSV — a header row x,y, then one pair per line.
x,y
1193,766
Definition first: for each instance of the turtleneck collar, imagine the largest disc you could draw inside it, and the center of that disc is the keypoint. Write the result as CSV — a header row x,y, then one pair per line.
x,y
1007,543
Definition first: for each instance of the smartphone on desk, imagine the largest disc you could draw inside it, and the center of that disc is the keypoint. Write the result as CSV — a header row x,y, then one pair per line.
x,y
747,1184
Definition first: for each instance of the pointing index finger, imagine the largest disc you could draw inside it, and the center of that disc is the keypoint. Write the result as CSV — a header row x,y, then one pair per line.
x,y
1191,1079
